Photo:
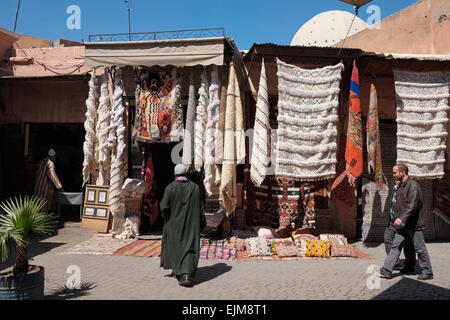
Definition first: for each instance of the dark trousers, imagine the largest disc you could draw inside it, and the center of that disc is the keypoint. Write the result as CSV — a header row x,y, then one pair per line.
x,y
413,241
389,235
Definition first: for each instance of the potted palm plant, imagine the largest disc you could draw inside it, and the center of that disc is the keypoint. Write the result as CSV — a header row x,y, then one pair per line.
x,y
21,218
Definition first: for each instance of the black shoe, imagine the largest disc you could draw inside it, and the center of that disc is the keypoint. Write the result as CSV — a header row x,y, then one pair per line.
x,y
406,270
386,274
424,276
186,280
398,266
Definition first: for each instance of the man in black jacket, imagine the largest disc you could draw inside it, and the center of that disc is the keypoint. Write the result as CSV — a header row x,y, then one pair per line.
x,y
409,224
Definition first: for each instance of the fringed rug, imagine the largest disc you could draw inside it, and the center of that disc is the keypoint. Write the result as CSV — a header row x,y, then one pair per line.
x,y
141,248
422,106
307,118
99,244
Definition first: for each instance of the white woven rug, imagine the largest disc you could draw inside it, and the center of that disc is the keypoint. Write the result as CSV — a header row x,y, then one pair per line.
x,y
422,105
307,115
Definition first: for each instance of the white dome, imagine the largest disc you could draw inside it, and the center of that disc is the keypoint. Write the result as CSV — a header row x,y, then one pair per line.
x,y
327,29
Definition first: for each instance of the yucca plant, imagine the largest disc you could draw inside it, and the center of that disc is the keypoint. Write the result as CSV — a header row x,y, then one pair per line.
x,y
22,217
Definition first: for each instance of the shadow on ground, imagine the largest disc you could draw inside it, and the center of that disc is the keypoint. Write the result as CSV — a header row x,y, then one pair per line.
x,y
207,273
35,249
411,289
66,293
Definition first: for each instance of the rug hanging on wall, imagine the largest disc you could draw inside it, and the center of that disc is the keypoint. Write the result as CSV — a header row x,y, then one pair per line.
x,y
307,117
159,113
422,105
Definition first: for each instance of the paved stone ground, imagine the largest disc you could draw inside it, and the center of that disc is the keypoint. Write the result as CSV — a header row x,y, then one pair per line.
x,y
119,277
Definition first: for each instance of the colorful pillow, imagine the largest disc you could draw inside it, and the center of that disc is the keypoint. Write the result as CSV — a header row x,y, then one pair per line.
x,y
318,248
300,242
337,239
276,243
287,251
343,251
258,247
237,243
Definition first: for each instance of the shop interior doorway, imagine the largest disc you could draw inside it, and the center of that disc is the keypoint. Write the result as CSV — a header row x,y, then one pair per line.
x,y
67,140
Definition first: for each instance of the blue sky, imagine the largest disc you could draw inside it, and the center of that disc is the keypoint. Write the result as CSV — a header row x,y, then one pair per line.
x,y
247,21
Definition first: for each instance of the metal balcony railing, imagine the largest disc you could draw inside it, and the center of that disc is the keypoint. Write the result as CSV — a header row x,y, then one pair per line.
x,y
158,35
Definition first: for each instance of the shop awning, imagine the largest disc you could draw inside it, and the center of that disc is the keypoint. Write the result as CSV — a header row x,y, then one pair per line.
x,y
179,52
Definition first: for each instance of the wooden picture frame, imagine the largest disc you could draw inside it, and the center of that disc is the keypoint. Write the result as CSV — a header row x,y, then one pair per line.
x,y
97,195
95,212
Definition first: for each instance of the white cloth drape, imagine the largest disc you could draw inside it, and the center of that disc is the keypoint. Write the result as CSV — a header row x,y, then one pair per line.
x,y
211,129
200,122
189,134
260,154
422,106
234,143
89,126
102,129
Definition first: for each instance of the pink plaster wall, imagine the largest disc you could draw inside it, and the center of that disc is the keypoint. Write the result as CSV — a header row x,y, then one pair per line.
x,y
422,28
48,62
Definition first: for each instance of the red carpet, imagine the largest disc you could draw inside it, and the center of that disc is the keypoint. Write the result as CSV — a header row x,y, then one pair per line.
x,y
141,248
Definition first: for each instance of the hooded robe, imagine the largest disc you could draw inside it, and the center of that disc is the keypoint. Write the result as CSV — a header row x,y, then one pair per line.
x,y
182,209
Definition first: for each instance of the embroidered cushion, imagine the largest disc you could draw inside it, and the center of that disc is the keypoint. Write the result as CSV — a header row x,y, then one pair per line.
x,y
258,246
318,248
300,242
277,243
287,251
338,239
237,243
343,251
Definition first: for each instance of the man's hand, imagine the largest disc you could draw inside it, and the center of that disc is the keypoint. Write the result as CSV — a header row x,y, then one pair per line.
x,y
61,189
397,222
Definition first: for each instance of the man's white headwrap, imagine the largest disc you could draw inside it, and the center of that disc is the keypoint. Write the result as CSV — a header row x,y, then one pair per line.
x,y
180,169
52,152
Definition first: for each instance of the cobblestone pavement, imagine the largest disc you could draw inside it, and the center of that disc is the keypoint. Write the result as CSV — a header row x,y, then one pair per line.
x,y
135,278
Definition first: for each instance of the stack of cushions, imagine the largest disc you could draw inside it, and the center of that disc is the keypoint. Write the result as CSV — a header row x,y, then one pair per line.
x,y
339,245
276,244
318,248
300,242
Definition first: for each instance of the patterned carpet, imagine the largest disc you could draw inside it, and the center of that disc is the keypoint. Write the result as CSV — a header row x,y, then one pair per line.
x,y
141,248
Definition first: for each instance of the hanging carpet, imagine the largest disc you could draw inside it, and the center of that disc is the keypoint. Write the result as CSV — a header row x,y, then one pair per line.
x,y
307,117
422,106
159,114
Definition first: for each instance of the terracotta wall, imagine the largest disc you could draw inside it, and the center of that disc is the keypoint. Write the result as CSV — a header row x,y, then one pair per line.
x,y
422,28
